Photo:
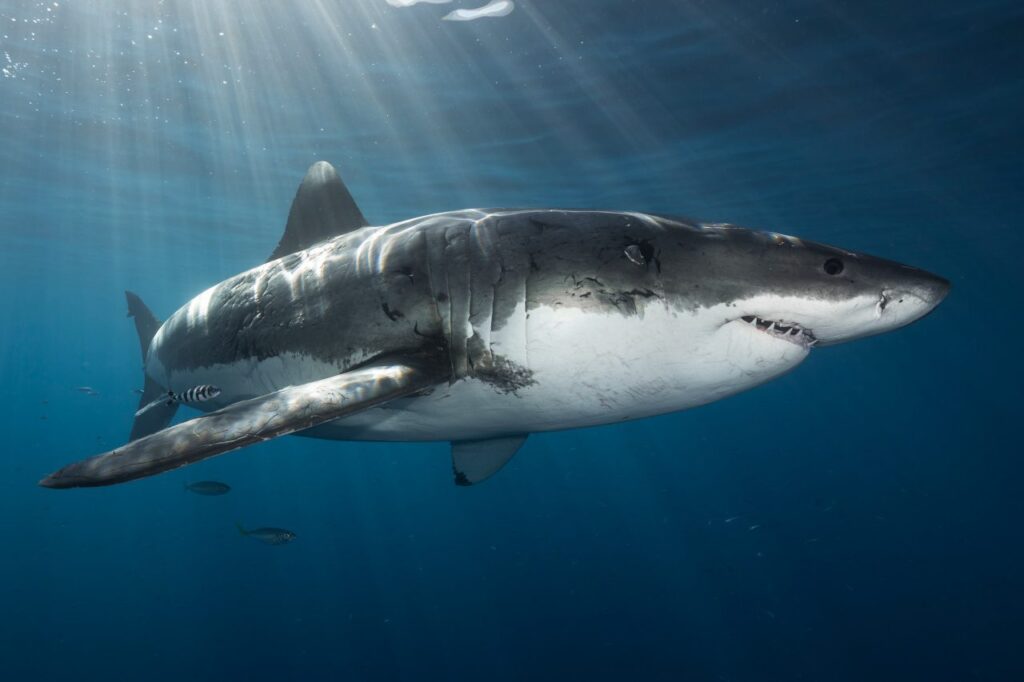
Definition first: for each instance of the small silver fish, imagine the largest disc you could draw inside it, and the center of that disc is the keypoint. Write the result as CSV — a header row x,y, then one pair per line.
x,y
270,536
88,390
208,488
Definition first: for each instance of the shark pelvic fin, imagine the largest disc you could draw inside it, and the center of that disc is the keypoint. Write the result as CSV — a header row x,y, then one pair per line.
x,y
248,422
323,208
154,413
477,460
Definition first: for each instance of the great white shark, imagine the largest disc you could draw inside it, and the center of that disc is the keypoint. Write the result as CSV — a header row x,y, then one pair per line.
x,y
480,327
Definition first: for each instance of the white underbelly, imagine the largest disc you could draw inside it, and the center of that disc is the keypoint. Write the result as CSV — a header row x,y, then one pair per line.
x,y
588,369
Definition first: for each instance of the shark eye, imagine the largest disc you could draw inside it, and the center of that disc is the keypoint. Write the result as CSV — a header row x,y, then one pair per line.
x,y
833,266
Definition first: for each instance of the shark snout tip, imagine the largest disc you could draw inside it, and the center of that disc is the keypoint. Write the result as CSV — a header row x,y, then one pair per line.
x,y
942,287
931,290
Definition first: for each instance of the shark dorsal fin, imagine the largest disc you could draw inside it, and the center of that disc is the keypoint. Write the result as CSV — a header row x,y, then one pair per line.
x,y
323,208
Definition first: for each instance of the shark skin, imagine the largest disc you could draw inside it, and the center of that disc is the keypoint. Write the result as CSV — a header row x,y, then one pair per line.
x,y
506,322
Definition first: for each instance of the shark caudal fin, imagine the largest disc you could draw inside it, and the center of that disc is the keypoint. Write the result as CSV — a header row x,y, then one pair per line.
x,y
241,531
158,416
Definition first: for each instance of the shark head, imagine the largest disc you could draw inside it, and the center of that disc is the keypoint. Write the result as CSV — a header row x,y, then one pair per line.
x,y
809,294
707,310
795,291
765,300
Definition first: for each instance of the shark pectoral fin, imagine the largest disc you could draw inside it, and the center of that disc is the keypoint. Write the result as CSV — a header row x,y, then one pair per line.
x,y
244,423
323,208
477,460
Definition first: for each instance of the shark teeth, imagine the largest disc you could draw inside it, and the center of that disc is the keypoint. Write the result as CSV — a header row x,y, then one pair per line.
x,y
789,331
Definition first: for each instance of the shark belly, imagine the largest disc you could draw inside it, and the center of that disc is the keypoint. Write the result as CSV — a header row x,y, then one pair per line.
x,y
575,381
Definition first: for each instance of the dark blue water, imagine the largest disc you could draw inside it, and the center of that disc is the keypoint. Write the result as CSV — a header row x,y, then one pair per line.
x,y
857,519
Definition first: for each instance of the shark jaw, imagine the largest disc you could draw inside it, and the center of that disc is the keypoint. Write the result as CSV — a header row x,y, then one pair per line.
x,y
809,322
790,332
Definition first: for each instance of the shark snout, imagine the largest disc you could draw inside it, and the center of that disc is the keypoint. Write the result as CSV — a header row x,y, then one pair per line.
x,y
902,296
913,297
935,289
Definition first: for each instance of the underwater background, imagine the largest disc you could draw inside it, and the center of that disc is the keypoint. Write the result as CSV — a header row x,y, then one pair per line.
x,y
858,519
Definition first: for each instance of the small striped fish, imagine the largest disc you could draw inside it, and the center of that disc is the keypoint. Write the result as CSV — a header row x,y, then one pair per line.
x,y
196,394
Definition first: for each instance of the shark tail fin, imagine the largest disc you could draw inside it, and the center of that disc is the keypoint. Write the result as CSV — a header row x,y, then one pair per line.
x,y
241,531
151,417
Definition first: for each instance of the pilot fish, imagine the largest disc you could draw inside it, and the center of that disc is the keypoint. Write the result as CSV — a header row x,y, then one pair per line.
x,y
196,394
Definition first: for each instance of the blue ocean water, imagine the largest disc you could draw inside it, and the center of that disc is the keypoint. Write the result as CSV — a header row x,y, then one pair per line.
x,y
858,519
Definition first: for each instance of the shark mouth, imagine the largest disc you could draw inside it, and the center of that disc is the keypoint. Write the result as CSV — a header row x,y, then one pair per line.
x,y
787,331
